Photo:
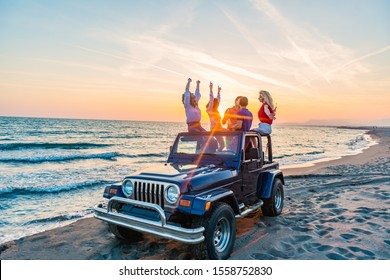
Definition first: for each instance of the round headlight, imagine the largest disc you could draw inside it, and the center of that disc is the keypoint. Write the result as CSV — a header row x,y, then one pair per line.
x,y
128,188
172,194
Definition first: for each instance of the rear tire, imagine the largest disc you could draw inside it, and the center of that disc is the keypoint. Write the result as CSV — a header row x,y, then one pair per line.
x,y
220,234
273,206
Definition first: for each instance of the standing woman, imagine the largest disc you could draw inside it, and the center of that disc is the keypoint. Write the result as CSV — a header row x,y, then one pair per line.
x,y
193,114
212,110
266,113
215,117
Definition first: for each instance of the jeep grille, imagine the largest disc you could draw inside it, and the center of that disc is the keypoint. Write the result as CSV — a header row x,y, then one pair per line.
x,y
151,192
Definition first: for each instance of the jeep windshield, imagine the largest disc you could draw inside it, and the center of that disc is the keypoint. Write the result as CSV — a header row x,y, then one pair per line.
x,y
205,144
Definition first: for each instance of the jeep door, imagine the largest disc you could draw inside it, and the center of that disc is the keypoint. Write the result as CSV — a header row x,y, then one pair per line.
x,y
251,165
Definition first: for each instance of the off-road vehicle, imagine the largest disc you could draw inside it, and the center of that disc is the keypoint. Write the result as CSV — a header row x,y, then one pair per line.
x,y
197,195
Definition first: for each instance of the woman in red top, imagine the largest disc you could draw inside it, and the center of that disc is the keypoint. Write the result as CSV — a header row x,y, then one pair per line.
x,y
266,113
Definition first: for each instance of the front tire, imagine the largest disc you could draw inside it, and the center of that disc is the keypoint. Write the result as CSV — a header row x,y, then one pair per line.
x,y
124,233
273,206
220,234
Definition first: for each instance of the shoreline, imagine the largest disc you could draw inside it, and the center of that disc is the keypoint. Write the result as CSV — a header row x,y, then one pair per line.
x,y
89,238
373,152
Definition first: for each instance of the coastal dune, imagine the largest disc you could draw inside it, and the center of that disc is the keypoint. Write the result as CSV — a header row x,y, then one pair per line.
x,y
333,210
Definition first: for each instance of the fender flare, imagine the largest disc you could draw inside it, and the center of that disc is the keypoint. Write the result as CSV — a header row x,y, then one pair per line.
x,y
198,206
266,181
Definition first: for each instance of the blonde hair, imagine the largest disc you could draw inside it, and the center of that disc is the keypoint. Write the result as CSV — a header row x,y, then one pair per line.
x,y
267,98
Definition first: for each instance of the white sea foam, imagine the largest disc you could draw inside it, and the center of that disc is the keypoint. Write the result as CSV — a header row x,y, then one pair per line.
x,y
39,159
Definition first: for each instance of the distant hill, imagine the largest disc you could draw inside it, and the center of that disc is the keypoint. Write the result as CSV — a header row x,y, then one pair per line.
x,y
335,122
384,122
340,122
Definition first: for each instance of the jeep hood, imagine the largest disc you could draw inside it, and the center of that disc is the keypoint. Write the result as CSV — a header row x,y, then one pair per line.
x,y
188,175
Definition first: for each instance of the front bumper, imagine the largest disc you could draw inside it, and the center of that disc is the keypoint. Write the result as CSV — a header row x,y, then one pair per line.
x,y
160,228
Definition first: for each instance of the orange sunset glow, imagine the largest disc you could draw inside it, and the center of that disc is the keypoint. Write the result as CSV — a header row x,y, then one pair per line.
x,y
130,60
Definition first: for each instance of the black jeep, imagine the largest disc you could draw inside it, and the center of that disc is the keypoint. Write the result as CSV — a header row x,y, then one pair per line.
x,y
199,193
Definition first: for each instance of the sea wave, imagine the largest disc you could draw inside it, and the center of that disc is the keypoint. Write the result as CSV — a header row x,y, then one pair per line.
x,y
299,154
37,132
60,218
76,146
127,136
53,189
145,155
4,223
358,142
6,139
106,156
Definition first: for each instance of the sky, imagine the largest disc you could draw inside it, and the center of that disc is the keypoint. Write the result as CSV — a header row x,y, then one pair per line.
x,y
130,60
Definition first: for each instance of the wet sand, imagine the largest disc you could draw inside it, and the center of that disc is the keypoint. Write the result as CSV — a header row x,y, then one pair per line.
x,y
333,210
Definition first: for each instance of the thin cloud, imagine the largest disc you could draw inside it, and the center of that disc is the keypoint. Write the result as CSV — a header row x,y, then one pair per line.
x,y
356,60
352,62
75,64
288,28
306,58
188,57
128,58
241,29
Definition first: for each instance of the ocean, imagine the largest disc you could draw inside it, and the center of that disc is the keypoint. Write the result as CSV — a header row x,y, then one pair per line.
x,y
53,171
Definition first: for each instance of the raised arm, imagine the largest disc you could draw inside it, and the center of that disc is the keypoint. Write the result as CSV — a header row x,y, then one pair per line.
x,y
187,96
188,85
219,94
197,92
211,101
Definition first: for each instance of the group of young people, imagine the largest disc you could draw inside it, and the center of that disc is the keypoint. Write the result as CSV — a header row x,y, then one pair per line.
x,y
237,117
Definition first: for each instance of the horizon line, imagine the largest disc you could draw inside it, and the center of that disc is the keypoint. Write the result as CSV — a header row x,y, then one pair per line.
x,y
324,122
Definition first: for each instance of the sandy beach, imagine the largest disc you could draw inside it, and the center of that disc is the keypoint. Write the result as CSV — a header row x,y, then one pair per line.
x,y
337,209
